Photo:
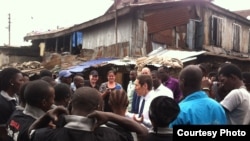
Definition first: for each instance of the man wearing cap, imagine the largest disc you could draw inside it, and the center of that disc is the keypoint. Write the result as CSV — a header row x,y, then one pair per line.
x,y
93,79
65,76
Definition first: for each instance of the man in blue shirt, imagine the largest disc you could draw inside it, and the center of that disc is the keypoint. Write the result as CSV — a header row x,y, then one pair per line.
x,y
196,107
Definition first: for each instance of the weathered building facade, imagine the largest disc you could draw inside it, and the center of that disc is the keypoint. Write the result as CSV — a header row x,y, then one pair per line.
x,y
135,28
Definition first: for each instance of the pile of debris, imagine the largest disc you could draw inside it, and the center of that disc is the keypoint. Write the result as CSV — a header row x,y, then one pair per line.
x,y
158,61
29,67
64,61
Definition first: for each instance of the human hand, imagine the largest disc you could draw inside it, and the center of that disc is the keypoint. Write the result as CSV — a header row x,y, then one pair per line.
x,y
206,82
50,119
100,117
105,93
137,118
54,114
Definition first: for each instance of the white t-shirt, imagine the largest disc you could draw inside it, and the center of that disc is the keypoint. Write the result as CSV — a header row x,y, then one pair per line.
x,y
237,103
163,91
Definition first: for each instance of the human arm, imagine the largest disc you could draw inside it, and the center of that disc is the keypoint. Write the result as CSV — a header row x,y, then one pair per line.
x,y
51,116
132,126
177,92
206,85
143,118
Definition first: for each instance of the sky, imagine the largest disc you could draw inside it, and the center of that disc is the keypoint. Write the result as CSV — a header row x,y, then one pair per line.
x,y
42,15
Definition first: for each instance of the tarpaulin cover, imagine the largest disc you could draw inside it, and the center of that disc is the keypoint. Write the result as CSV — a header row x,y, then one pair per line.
x,y
81,67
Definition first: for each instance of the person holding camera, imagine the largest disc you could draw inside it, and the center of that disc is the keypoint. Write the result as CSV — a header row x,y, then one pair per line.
x,y
107,87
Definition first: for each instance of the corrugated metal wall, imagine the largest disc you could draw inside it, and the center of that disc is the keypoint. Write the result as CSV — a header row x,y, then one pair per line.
x,y
131,38
168,25
104,34
167,19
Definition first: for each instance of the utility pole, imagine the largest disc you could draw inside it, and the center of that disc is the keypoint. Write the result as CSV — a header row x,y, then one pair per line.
x,y
116,47
9,22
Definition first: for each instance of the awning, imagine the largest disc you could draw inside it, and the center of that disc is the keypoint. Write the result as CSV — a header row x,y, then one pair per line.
x,y
123,62
178,54
81,67
171,58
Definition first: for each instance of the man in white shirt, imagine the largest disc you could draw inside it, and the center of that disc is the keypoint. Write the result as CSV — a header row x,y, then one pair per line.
x,y
159,88
143,88
131,88
149,88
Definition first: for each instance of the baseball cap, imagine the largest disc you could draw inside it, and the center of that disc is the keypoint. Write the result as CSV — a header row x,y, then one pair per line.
x,y
64,73
94,72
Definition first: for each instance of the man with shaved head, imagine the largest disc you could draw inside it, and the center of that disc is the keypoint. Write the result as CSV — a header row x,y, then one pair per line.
x,y
196,107
78,80
146,70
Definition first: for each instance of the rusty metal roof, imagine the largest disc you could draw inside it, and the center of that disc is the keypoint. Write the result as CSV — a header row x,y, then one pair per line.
x,y
243,13
145,6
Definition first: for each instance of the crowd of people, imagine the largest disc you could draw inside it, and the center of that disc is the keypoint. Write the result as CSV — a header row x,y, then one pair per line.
x,y
71,107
